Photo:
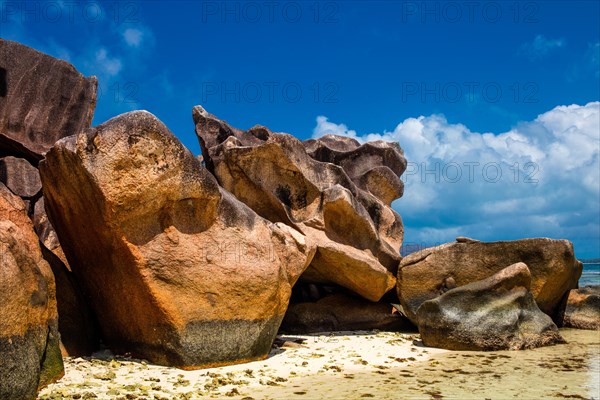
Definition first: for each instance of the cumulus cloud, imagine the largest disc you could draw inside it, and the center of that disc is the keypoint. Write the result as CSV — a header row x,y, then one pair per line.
x,y
324,127
133,37
541,178
541,46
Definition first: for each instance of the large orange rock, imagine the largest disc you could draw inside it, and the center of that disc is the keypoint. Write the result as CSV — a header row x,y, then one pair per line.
x,y
430,272
333,190
29,341
42,99
178,270
496,313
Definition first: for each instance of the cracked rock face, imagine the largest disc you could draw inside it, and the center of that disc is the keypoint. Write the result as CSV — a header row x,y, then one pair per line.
x,y
178,271
29,340
431,272
333,190
496,313
42,99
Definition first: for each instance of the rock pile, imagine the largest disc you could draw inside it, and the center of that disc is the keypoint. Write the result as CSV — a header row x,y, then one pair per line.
x,y
431,272
44,99
333,190
178,270
118,232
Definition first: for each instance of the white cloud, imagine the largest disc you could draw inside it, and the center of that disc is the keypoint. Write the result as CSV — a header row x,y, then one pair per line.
x,y
324,127
133,37
109,65
541,178
541,46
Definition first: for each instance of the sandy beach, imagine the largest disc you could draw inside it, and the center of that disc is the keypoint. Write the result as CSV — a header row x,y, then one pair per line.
x,y
350,365
334,357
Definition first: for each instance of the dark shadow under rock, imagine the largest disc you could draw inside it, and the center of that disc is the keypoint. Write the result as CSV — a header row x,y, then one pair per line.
x,y
342,312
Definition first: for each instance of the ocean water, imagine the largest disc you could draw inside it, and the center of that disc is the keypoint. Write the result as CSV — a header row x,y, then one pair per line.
x,y
590,275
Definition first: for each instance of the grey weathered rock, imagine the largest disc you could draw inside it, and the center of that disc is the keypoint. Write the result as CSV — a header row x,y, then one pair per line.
x,y
375,166
497,313
178,271
582,308
430,272
42,99
29,341
22,178
341,202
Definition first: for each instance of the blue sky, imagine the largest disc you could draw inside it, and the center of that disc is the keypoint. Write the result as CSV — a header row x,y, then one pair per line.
x,y
513,86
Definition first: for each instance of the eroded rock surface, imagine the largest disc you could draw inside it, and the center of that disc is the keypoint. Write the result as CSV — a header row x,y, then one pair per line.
x,y
42,99
29,340
374,166
431,272
497,313
333,190
178,271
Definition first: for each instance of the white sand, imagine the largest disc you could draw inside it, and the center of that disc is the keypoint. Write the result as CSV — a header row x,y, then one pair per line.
x,y
284,374
354,365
